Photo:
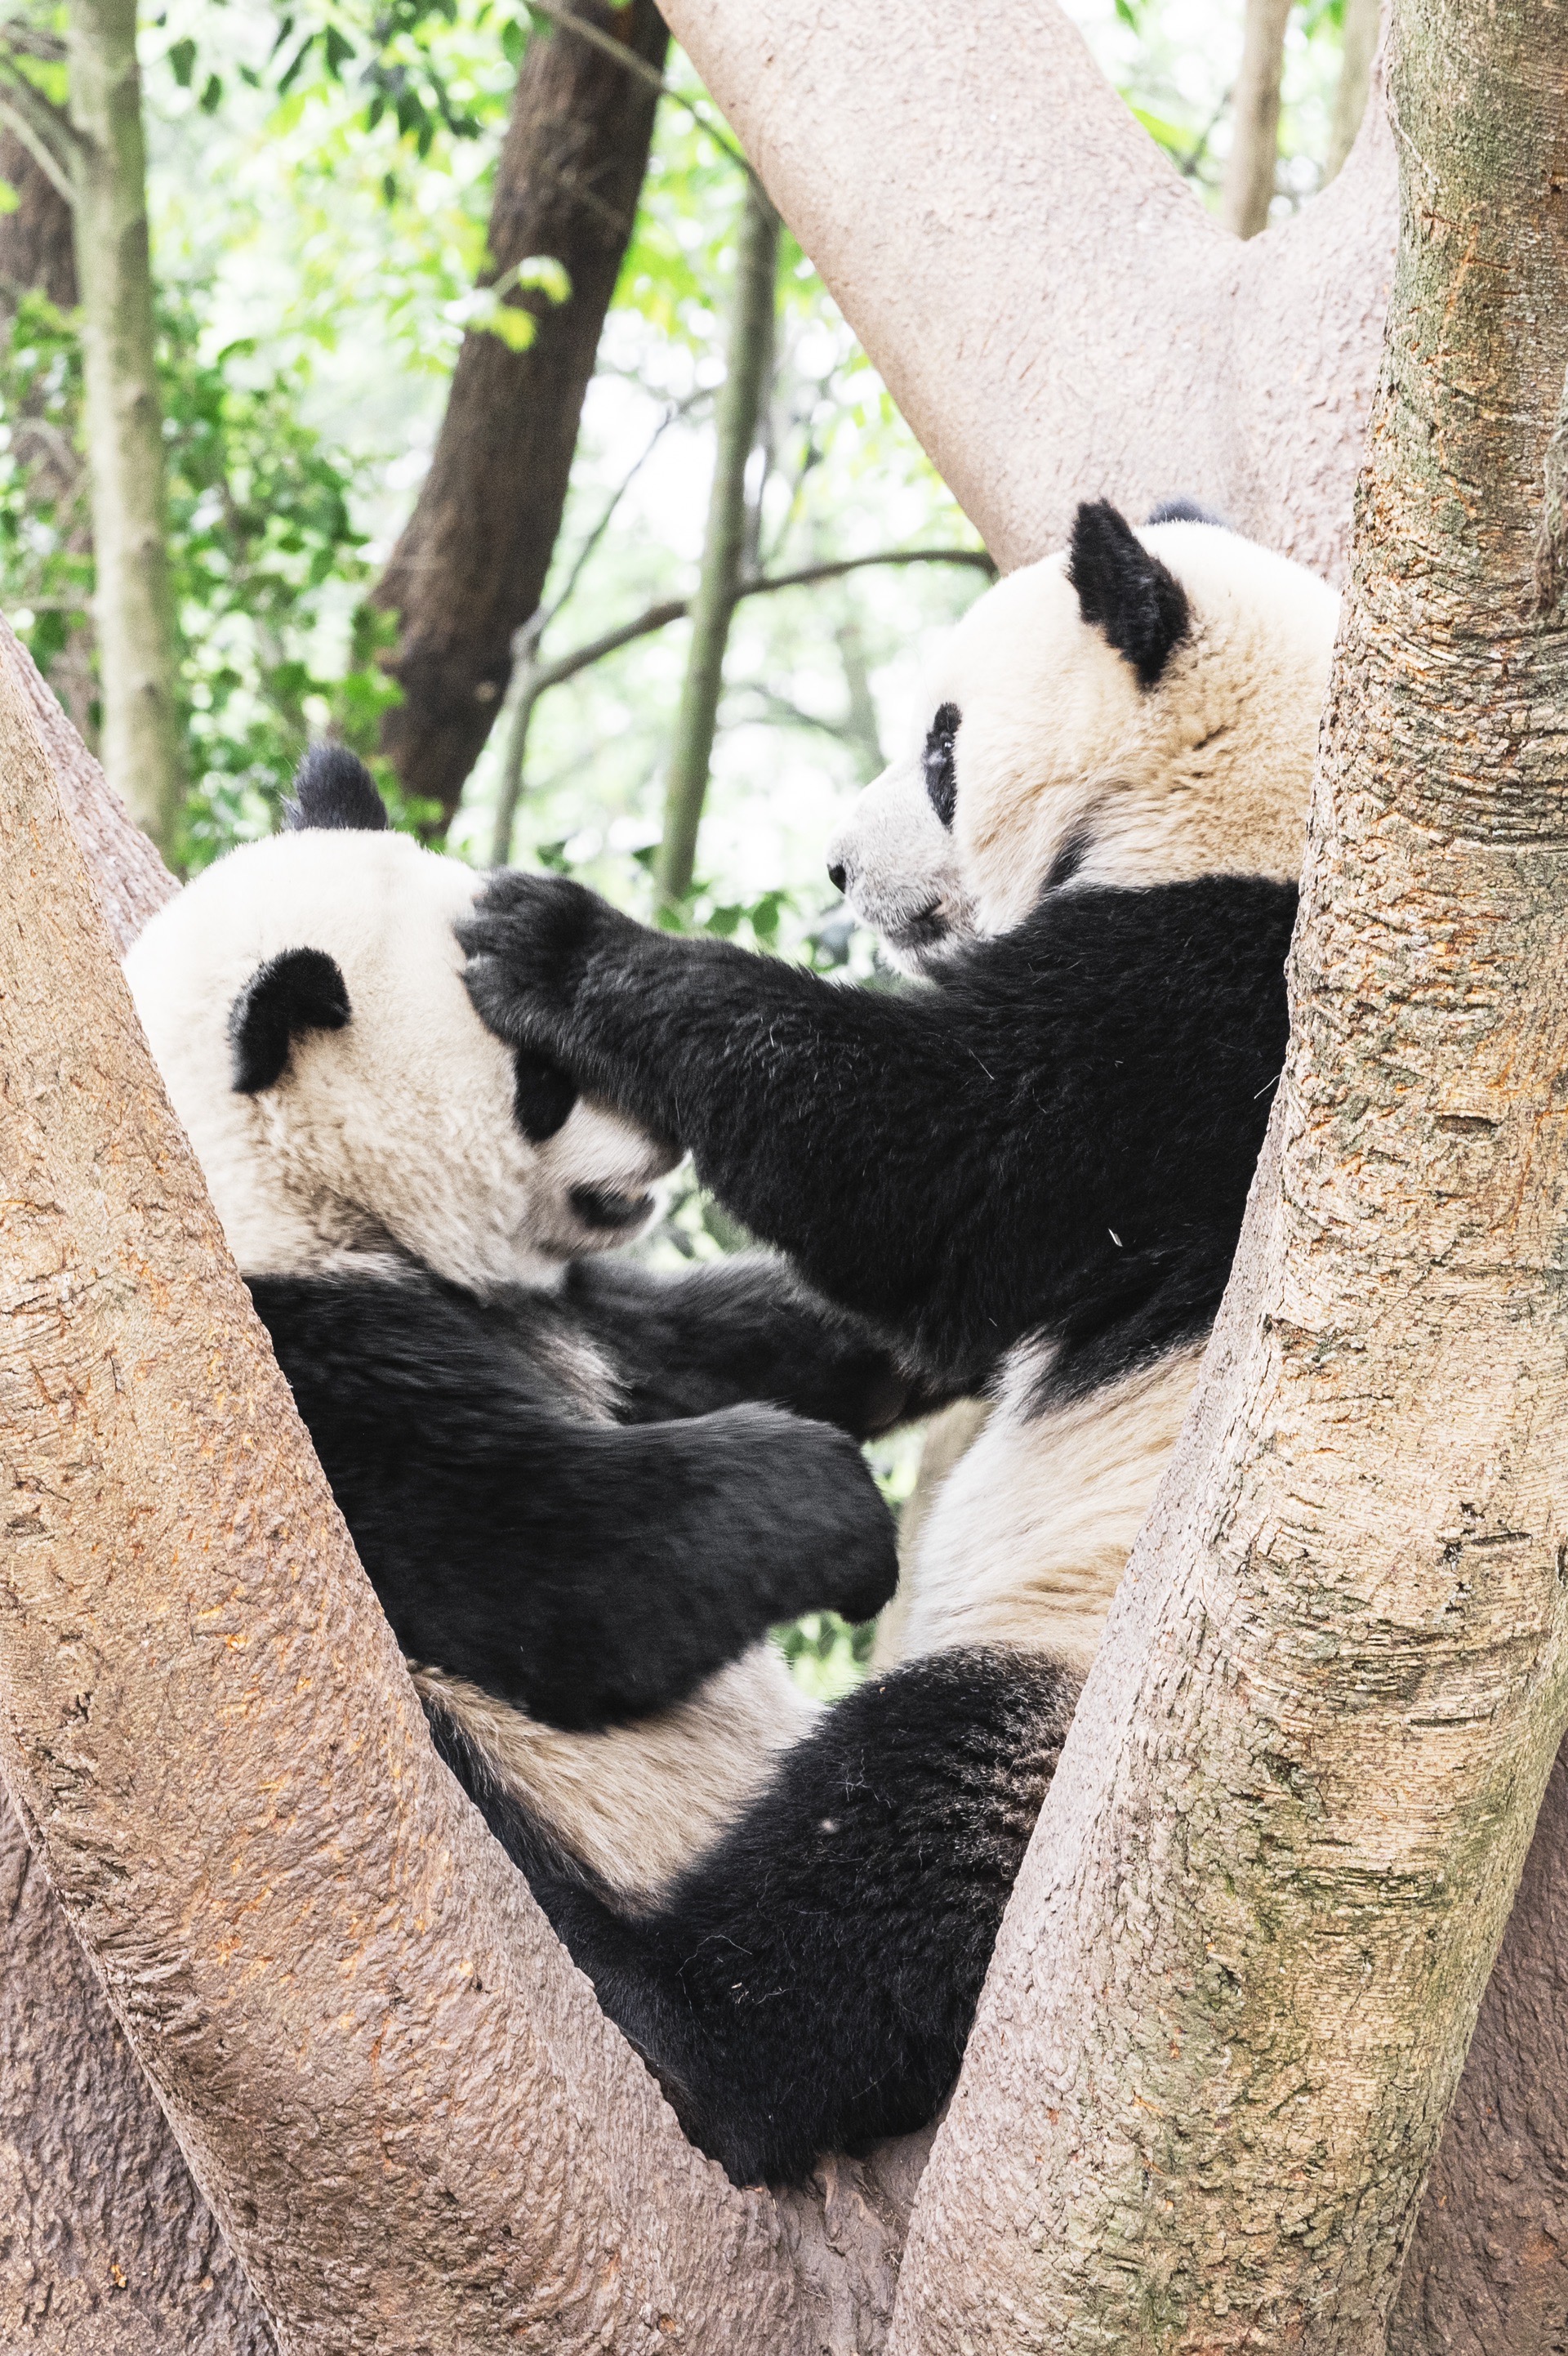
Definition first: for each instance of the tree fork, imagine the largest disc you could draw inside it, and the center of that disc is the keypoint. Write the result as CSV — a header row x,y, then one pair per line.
x,y
133,599
748,362
1237,1981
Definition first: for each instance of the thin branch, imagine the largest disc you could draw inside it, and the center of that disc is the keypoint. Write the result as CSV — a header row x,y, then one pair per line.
x,y
537,677
597,39
675,609
41,127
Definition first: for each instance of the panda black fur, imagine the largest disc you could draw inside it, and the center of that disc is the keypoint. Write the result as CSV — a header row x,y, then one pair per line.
x,y
1032,1175
584,1491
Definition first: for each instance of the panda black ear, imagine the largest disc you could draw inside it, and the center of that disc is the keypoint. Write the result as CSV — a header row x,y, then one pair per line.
x,y
302,989
333,792
1185,510
1125,591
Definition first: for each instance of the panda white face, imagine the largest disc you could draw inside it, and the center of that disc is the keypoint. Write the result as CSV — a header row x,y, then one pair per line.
x,y
1140,708
305,1002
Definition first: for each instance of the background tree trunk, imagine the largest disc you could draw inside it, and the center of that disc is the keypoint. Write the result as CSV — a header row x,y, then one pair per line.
x,y
1047,345
1236,1983
1363,21
133,602
36,239
1254,160
747,367
470,567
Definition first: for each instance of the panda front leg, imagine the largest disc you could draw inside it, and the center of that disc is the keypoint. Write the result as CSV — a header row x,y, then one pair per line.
x,y
738,1329
588,1573
809,1985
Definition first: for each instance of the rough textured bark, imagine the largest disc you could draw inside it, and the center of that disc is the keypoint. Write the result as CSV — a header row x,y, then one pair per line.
x,y
470,567
741,398
133,602
1254,159
412,2124
1237,1980
36,248
1363,21
106,2247
1487,2271
1057,316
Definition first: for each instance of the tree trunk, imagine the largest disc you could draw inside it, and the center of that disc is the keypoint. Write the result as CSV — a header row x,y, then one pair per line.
x,y
1487,2271
1059,318
741,398
108,2248
133,602
1254,160
413,2125
35,249
1363,22
470,567
1237,1980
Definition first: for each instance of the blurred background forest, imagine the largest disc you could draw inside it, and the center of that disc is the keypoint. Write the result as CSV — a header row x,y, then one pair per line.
x,y
452,387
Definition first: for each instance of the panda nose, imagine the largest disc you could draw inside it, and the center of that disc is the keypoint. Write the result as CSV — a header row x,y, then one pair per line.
x,y
835,875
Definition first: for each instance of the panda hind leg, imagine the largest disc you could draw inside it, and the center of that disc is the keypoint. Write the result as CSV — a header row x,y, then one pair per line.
x,y
809,1984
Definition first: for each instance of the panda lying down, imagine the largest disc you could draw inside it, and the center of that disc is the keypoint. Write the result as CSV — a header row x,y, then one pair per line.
x,y
584,1491
1031,1176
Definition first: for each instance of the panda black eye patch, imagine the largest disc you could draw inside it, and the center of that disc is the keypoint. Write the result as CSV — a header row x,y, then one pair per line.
x,y
301,990
937,760
542,1095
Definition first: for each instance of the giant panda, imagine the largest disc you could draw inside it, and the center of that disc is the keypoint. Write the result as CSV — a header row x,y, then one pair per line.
x,y
577,1511
1030,1174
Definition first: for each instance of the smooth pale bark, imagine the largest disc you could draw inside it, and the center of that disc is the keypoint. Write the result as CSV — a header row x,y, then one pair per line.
x,y
132,601
1235,1987
1054,312
412,2122
1362,23
1254,160
470,566
737,414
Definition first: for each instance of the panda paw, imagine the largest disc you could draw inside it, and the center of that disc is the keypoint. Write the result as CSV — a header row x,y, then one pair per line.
x,y
529,939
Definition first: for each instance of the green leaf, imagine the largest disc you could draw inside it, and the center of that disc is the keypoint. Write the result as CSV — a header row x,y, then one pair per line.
x,y
182,62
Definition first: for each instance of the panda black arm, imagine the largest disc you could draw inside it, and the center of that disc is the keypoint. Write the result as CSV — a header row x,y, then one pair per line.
x,y
964,1164
744,1328
580,1569
809,1985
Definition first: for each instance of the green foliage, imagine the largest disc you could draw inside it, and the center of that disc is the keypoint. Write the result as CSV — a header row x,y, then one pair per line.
x,y
826,1655
46,564
268,562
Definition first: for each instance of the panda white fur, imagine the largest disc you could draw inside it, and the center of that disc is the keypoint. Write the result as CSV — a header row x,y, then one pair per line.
x,y
1032,1176
578,1520
1063,766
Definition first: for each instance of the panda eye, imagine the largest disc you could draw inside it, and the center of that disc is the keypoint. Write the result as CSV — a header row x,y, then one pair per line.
x,y
941,777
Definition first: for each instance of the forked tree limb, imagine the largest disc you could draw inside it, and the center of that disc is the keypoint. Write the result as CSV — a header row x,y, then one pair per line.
x,y
1057,316
1235,1987
399,2097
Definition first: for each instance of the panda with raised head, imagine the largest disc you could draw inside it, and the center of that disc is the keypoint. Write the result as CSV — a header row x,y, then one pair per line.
x,y
1030,1175
561,1476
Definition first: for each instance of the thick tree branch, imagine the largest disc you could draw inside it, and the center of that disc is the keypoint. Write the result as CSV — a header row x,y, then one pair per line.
x,y
408,2114
1241,1968
1043,346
